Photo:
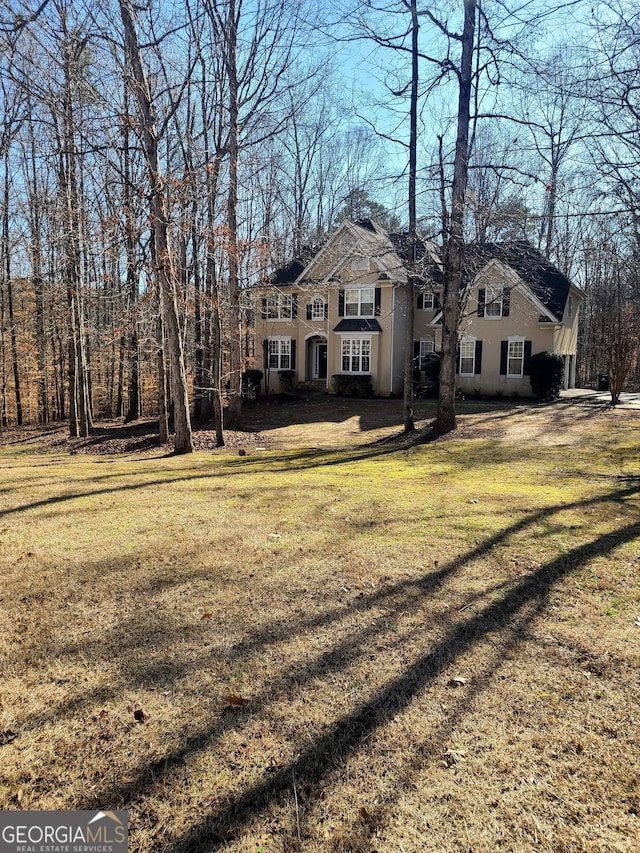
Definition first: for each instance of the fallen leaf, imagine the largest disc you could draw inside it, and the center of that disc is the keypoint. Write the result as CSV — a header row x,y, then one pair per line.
x,y
140,716
457,681
363,814
7,736
235,701
206,616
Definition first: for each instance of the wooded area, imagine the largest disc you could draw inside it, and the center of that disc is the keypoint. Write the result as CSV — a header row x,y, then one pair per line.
x,y
155,164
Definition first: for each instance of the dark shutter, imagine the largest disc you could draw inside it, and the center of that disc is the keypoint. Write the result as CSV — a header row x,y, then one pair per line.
x,y
378,295
436,299
481,300
326,310
420,303
293,353
264,307
309,311
294,306
458,359
341,303
416,349
265,356
526,367
506,301
478,367
504,348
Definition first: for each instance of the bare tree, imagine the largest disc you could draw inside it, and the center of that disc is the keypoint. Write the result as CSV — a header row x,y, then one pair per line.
x,y
164,266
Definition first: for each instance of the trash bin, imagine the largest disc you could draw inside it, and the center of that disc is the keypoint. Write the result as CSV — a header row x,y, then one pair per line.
x,y
603,382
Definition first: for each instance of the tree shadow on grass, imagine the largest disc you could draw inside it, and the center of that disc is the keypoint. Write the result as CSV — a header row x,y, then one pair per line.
x,y
505,620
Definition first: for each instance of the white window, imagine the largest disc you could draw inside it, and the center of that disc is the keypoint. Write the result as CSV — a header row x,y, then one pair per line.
x,y
278,307
467,366
279,353
317,308
426,349
493,302
426,300
356,355
359,301
515,357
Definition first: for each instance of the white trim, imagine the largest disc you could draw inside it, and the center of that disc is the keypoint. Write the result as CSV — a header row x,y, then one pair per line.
x,y
316,335
515,339
467,339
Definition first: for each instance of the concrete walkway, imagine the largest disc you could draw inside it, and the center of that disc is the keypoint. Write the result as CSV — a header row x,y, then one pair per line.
x,y
601,398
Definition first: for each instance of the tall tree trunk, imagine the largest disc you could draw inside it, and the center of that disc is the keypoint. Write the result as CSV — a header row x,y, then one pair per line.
x,y
454,255
165,274
235,336
131,241
409,424
37,278
9,287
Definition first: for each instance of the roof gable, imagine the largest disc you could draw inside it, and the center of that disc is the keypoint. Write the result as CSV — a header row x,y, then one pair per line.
x,y
543,280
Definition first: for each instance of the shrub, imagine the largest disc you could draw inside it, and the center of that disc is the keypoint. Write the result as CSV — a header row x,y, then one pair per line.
x,y
546,374
287,379
352,386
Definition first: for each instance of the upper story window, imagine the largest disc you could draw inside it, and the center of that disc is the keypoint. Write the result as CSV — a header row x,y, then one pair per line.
x,y
426,301
493,302
569,307
359,302
279,307
317,308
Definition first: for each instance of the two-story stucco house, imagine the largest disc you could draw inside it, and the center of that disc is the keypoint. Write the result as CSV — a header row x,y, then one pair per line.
x,y
343,310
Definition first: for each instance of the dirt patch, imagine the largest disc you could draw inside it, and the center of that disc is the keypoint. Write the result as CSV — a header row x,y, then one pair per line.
x,y
331,422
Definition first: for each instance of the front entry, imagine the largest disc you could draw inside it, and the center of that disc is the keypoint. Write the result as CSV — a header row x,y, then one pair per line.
x,y
319,360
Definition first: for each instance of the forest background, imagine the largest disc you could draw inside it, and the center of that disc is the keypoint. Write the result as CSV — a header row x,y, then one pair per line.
x,y
158,160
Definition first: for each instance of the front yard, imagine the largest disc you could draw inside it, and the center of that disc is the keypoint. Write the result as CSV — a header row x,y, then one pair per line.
x,y
335,643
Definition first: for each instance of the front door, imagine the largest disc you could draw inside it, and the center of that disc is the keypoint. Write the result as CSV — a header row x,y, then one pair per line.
x,y
319,360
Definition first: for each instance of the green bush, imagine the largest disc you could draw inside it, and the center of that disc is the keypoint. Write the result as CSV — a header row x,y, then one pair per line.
x,y
287,379
546,375
352,386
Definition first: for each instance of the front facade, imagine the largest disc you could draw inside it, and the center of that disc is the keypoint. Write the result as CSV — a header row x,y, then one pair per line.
x,y
343,314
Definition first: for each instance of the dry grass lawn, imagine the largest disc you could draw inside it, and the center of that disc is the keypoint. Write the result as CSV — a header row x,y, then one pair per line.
x,y
336,643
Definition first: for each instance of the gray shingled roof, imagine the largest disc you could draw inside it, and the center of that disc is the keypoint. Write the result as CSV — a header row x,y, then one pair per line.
x,y
544,280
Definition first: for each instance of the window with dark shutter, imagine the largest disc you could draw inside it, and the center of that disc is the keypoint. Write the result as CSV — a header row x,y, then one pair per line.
x,y
506,301
478,365
481,300
504,349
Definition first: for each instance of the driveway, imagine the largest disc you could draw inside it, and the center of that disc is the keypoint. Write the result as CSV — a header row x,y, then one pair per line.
x,y
601,398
